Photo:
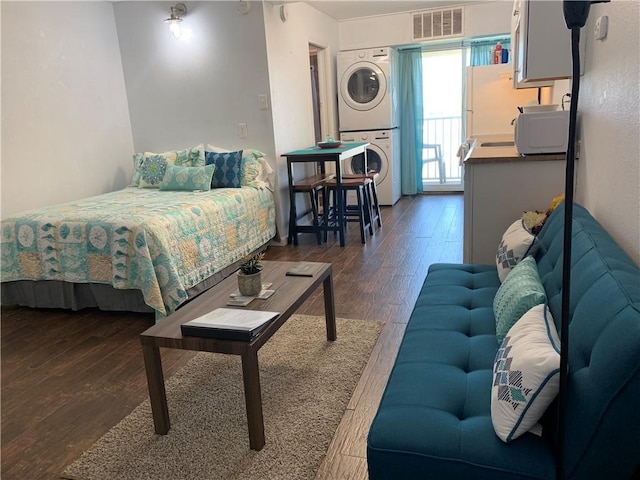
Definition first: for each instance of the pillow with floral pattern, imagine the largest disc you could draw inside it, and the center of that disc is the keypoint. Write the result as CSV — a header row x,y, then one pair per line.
x,y
189,157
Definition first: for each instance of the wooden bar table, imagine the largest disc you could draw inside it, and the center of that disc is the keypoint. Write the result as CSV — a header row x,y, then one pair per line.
x,y
321,157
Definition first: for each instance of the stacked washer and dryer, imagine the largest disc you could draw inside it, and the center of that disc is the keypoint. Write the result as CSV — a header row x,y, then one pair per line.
x,y
368,112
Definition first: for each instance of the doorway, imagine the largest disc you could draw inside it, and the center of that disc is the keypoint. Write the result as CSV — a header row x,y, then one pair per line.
x,y
318,70
442,89
315,94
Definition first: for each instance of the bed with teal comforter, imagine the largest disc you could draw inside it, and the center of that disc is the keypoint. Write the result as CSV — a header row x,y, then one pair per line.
x,y
161,243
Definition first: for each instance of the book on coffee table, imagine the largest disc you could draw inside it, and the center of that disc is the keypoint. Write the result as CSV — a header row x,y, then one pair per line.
x,y
304,269
228,323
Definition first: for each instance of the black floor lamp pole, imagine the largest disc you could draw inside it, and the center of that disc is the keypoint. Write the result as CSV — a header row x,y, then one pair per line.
x,y
566,259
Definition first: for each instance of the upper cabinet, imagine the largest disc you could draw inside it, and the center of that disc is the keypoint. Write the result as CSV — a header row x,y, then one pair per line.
x,y
541,43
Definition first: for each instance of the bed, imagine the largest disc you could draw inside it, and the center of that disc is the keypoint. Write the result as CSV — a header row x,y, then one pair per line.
x,y
136,249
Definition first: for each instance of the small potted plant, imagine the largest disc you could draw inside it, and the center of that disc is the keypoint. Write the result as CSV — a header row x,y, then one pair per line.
x,y
250,275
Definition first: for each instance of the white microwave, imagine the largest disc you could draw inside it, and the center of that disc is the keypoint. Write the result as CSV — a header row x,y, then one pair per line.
x,y
542,132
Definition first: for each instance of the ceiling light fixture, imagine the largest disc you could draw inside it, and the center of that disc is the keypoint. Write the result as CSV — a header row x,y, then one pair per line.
x,y
178,11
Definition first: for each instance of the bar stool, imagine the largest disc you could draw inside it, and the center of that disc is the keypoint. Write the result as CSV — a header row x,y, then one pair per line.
x,y
359,212
314,187
372,192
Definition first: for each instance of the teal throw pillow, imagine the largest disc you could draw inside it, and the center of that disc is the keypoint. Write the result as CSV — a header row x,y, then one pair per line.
x,y
187,178
520,292
228,168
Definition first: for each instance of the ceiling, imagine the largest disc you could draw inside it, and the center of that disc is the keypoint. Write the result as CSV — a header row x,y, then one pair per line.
x,y
346,9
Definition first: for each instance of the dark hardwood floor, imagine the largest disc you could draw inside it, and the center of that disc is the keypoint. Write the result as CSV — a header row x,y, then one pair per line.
x,y
68,377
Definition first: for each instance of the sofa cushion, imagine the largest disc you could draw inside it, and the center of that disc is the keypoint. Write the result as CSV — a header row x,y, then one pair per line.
x,y
525,374
521,291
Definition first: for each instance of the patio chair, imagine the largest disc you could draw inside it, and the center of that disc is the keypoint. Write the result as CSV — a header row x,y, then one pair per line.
x,y
432,152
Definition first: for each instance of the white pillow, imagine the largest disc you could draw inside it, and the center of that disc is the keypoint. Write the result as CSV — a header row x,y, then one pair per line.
x,y
526,374
517,242
214,149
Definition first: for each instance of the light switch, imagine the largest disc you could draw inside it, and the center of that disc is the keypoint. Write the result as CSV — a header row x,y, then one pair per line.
x,y
263,101
242,130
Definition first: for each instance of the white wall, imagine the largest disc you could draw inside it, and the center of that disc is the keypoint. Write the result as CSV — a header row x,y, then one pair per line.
x,y
183,92
196,89
609,167
65,121
480,19
288,54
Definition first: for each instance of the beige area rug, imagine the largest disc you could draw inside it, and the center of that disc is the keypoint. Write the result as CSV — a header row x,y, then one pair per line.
x,y
306,385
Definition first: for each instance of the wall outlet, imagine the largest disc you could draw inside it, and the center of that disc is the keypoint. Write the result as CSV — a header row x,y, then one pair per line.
x,y
600,28
263,101
242,130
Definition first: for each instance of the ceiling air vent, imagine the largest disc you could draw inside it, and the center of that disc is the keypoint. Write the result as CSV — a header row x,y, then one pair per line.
x,y
434,24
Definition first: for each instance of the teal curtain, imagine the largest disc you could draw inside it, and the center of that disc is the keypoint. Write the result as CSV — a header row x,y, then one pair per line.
x,y
481,51
411,120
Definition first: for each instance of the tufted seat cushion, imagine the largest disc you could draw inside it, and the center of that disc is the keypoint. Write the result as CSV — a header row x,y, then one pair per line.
x,y
434,418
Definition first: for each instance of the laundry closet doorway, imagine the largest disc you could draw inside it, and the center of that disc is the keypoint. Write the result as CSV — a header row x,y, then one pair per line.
x,y
318,71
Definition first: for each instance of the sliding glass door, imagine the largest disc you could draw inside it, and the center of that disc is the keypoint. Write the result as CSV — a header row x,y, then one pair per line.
x,y
443,80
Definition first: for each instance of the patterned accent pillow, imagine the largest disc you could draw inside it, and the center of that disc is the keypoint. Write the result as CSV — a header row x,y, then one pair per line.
x,y
187,178
196,156
138,160
521,291
189,157
255,170
517,242
228,170
152,172
526,374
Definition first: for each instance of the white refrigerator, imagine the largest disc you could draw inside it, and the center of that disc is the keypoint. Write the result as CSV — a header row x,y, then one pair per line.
x,y
492,102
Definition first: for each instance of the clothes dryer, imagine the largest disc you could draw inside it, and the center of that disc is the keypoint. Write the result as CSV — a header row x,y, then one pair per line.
x,y
367,98
383,157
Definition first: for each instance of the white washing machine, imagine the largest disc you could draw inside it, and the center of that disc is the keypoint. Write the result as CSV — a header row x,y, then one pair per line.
x,y
383,157
367,98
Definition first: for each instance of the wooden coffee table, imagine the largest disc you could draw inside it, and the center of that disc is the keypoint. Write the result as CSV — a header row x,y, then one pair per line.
x,y
290,293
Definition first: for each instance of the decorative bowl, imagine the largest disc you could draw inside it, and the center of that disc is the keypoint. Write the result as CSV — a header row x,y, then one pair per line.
x,y
329,144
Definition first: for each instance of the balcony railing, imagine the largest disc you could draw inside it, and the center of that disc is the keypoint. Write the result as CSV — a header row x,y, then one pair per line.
x,y
447,133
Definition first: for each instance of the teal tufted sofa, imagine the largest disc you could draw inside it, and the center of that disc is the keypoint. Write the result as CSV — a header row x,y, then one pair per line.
x,y
434,419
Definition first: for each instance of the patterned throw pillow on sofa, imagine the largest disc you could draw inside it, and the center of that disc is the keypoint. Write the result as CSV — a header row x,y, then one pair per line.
x,y
517,243
526,374
521,291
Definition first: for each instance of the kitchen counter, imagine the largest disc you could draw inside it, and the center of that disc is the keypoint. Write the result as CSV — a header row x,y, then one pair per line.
x,y
483,149
500,184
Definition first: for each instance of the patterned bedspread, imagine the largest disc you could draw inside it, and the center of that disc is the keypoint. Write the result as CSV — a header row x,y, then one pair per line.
x,y
159,242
